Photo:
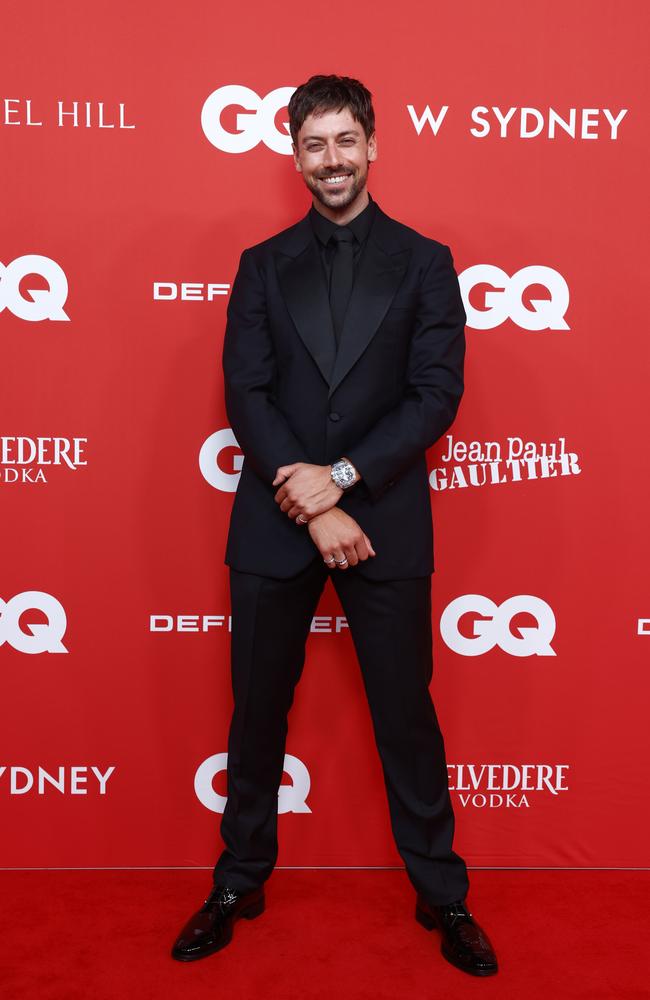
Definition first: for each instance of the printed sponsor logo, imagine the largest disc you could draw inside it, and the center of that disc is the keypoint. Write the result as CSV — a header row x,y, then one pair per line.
x,y
28,460
251,119
43,637
490,463
526,123
492,786
491,296
188,291
67,779
291,798
18,112
166,623
486,625
43,303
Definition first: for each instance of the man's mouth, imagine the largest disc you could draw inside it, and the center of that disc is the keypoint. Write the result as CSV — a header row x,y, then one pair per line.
x,y
335,180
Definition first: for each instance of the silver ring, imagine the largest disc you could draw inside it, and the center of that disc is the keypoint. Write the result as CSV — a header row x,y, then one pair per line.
x,y
339,562
301,520
328,562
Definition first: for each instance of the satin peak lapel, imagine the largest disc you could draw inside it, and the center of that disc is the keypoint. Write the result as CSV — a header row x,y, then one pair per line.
x,y
302,283
377,279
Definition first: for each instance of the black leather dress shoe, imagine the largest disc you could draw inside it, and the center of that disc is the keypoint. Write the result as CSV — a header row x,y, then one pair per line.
x,y
211,927
464,943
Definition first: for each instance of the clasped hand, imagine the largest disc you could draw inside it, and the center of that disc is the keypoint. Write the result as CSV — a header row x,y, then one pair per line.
x,y
310,490
307,489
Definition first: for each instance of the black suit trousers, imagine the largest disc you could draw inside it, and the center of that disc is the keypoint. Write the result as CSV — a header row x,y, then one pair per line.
x,y
390,625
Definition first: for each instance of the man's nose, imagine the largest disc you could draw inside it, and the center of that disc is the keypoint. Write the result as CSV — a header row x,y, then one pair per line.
x,y
332,156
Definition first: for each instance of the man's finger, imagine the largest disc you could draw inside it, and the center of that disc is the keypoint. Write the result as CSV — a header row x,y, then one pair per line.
x,y
353,557
369,544
362,549
283,473
342,561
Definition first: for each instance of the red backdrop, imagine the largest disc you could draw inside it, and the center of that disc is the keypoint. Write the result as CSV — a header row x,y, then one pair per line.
x,y
123,218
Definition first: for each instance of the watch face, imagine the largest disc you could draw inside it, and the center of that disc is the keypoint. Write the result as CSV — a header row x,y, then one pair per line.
x,y
343,473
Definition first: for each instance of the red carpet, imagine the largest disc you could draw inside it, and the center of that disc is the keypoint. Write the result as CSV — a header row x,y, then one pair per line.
x,y
347,935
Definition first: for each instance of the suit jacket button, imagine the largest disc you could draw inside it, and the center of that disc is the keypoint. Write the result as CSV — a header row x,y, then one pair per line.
x,y
334,416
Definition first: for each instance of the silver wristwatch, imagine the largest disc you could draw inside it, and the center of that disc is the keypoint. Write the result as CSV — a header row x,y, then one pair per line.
x,y
343,473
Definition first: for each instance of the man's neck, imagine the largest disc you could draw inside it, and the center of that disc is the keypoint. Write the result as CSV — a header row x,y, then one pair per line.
x,y
343,215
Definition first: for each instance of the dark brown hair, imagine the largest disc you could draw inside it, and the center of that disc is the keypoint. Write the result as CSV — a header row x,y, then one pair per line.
x,y
330,93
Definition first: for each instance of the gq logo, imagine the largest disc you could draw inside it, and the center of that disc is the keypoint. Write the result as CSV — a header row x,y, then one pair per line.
x,y
44,303
44,638
491,626
291,798
209,461
255,123
505,299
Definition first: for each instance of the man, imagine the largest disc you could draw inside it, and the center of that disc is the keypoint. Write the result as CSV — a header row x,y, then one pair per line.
x,y
343,362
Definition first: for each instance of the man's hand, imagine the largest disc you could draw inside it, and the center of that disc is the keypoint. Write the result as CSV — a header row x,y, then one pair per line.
x,y
339,539
307,489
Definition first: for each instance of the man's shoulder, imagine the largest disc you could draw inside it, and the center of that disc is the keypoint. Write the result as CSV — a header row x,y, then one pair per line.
x,y
413,237
284,238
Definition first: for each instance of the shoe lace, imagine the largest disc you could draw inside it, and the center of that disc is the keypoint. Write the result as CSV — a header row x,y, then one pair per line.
x,y
221,896
455,912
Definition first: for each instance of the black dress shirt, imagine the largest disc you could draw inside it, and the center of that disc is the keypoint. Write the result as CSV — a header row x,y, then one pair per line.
x,y
323,229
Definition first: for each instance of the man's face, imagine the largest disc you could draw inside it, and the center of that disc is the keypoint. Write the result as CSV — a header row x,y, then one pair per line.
x,y
333,146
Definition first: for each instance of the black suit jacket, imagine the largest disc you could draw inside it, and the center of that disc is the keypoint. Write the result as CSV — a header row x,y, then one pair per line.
x,y
389,392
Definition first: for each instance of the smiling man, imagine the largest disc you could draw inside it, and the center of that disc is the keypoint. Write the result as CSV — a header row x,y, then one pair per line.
x,y
343,363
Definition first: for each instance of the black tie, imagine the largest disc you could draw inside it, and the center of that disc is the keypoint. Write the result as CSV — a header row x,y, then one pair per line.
x,y
342,276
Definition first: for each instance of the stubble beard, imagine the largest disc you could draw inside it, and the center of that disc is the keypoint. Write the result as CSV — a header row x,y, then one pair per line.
x,y
335,201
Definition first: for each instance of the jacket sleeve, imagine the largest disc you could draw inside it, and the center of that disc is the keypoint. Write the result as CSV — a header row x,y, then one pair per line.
x,y
249,368
434,384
